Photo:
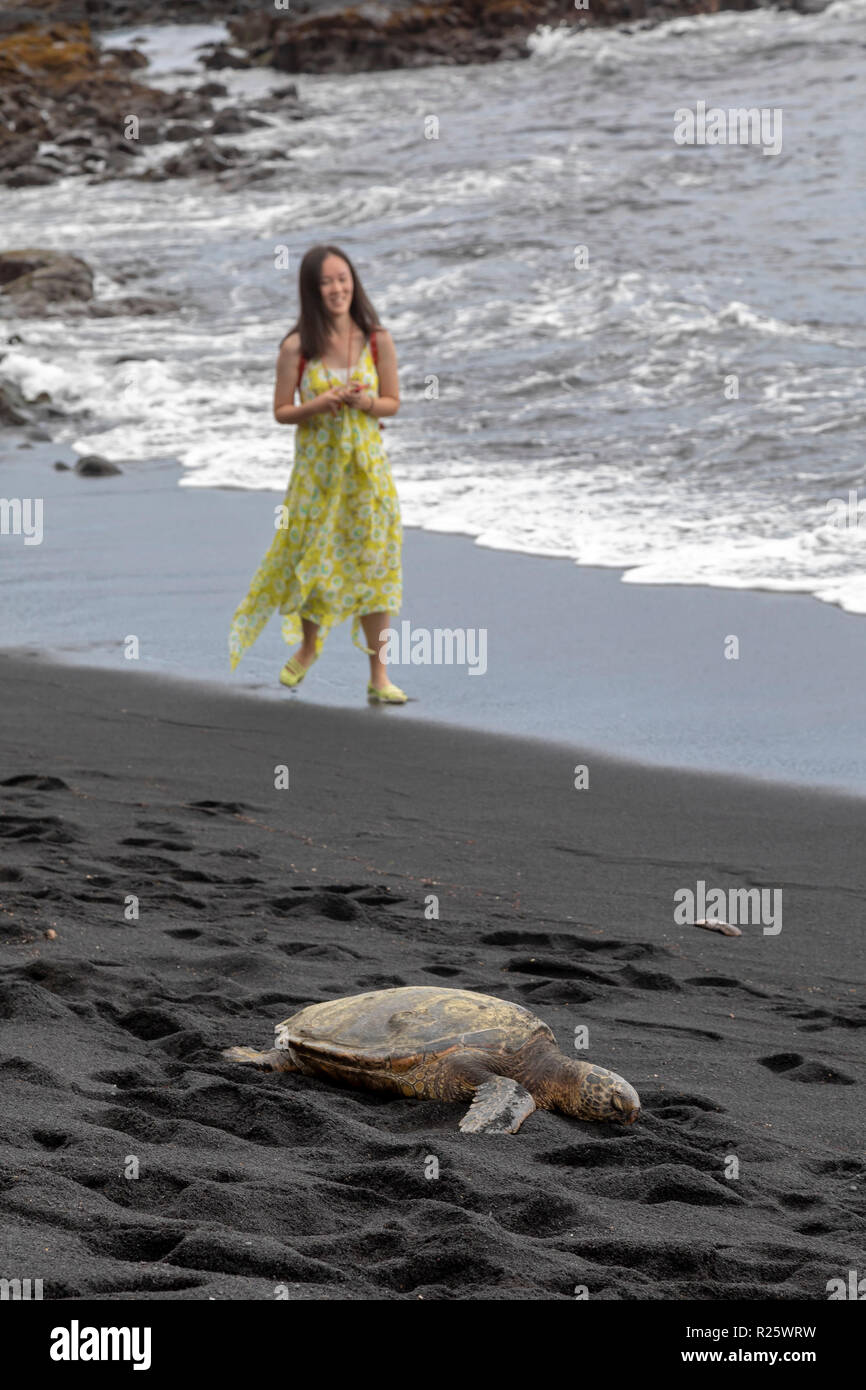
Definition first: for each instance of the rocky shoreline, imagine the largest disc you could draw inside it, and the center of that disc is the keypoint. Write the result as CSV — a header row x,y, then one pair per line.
x,y
65,101
375,36
68,107
326,38
38,283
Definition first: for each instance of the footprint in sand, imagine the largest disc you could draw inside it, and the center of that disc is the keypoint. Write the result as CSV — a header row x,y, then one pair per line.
x,y
794,1067
46,829
36,782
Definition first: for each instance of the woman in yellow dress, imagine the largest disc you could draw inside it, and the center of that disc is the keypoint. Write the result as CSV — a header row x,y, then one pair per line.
x,y
337,551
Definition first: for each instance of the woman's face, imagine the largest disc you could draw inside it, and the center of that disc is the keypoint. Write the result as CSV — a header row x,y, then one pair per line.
x,y
336,285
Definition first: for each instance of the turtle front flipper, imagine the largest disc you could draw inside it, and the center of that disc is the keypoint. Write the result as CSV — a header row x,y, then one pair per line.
x,y
500,1107
277,1059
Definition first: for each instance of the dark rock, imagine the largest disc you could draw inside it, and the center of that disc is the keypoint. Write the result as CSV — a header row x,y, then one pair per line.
x,y
129,148
231,121
14,152
13,406
132,304
189,106
32,176
74,137
15,264
50,160
62,467
183,130
129,57
200,156
32,282
212,89
150,134
40,283
221,56
94,466
290,107
19,18
128,14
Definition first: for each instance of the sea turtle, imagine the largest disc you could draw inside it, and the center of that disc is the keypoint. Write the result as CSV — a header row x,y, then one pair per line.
x,y
446,1044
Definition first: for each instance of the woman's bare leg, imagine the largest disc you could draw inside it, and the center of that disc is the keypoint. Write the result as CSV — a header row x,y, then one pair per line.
x,y
307,650
375,627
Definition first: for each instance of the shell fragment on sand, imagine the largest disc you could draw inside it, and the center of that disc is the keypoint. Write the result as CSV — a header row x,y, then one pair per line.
x,y
725,928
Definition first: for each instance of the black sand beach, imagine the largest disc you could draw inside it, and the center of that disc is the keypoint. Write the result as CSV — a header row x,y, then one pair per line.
x,y
189,855
253,901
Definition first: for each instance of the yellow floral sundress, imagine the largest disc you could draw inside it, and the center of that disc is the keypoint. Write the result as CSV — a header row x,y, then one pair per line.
x,y
337,550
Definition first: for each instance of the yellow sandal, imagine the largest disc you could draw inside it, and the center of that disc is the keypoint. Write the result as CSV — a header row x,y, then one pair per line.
x,y
293,672
387,695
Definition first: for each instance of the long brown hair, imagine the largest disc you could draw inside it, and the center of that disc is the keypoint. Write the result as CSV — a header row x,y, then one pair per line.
x,y
313,322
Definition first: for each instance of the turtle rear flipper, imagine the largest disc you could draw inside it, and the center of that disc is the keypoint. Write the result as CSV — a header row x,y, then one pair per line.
x,y
500,1107
275,1060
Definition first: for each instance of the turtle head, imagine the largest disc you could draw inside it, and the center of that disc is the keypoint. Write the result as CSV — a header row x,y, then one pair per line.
x,y
602,1095
624,1100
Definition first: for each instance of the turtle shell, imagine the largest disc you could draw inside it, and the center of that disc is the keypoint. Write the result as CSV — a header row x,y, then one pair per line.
x,y
395,1028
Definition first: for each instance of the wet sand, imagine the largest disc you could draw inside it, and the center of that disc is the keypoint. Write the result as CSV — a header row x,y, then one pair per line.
x,y
572,654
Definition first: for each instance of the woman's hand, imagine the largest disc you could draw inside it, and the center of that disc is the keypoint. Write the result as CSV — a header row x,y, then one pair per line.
x,y
330,402
358,395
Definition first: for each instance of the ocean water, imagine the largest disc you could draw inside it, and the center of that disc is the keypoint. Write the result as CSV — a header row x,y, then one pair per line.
x,y
576,405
